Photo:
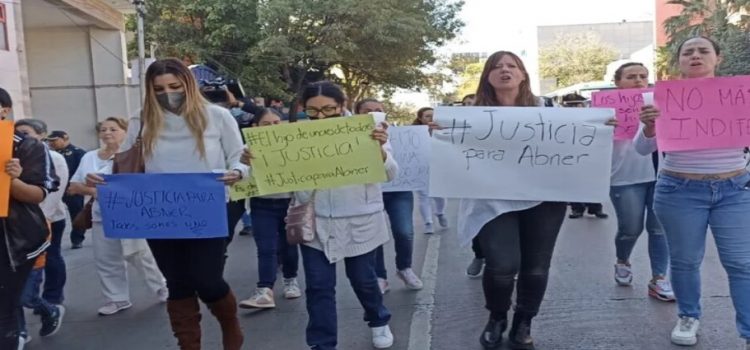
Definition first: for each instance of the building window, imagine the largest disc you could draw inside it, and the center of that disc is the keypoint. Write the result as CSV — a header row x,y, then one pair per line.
x,y
3,28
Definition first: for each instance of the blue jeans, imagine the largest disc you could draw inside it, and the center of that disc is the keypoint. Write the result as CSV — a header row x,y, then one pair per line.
x,y
320,276
31,300
632,203
686,208
270,239
246,221
54,271
400,209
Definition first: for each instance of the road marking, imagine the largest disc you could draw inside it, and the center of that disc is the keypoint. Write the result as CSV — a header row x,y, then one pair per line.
x,y
420,331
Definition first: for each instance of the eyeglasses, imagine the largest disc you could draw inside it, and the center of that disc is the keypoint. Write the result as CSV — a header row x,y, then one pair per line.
x,y
327,111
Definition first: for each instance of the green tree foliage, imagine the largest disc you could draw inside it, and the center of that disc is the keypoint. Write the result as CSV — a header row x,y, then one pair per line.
x,y
721,20
576,58
218,32
276,46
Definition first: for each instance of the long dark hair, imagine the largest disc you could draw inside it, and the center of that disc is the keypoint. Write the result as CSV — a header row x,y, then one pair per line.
x,y
360,103
322,88
420,113
621,69
486,93
262,113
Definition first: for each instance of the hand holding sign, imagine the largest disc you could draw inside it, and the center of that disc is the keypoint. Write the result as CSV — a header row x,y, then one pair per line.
x,y
321,154
6,155
710,113
627,104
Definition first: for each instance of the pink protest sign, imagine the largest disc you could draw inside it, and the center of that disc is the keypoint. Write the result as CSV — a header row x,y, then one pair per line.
x,y
703,113
627,104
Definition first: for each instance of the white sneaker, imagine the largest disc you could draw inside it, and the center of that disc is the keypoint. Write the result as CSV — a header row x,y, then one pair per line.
x,y
163,294
383,285
382,338
442,220
428,230
291,289
623,275
410,279
114,307
262,299
661,289
686,331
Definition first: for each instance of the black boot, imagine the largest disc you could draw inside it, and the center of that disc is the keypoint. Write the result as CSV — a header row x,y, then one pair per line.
x,y
520,333
492,336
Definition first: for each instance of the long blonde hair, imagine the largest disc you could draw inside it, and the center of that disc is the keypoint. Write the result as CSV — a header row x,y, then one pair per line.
x,y
486,92
193,110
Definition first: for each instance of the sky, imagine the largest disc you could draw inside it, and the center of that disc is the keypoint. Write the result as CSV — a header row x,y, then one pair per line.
x,y
496,24
492,25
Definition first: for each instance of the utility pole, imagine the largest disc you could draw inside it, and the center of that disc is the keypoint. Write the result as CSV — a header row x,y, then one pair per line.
x,y
140,12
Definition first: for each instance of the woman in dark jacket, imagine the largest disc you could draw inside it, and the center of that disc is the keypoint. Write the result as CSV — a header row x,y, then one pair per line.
x,y
23,233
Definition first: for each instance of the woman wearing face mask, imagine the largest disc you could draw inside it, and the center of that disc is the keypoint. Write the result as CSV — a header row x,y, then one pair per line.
x,y
268,213
112,256
424,117
632,193
350,224
184,133
399,206
695,190
517,237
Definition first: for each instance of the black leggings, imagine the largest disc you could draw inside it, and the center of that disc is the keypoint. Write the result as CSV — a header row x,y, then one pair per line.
x,y
11,287
519,242
192,267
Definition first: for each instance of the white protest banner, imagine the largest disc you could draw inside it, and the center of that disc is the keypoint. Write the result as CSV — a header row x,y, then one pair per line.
x,y
522,153
411,150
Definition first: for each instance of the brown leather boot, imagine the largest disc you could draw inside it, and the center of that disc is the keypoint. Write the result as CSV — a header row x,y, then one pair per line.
x,y
185,317
225,311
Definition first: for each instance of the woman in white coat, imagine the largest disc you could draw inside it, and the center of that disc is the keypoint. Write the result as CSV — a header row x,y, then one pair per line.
x,y
113,255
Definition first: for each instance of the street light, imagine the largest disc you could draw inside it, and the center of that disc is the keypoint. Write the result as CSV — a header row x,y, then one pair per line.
x,y
140,12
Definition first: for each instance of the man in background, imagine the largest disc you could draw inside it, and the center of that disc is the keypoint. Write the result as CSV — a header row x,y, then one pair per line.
x,y
60,142
574,100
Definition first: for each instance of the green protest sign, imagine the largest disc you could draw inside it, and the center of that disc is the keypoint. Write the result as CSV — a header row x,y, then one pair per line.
x,y
318,154
244,189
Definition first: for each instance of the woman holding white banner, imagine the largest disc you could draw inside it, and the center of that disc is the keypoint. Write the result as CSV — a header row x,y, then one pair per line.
x,y
350,224
424,117
112,256
399,205
517,237
632,193
697,189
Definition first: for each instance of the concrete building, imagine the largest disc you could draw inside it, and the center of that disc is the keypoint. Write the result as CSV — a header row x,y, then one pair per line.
x,y
65,62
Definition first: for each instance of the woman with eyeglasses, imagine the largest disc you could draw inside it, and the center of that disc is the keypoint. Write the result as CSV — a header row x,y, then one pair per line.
x,y
350,224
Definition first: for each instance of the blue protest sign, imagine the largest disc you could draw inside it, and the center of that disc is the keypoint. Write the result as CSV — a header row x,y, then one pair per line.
x,y
163,206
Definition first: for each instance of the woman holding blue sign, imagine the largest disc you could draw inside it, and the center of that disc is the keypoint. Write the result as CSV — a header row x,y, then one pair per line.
x,y
112,256
184,133
697,189
350,224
